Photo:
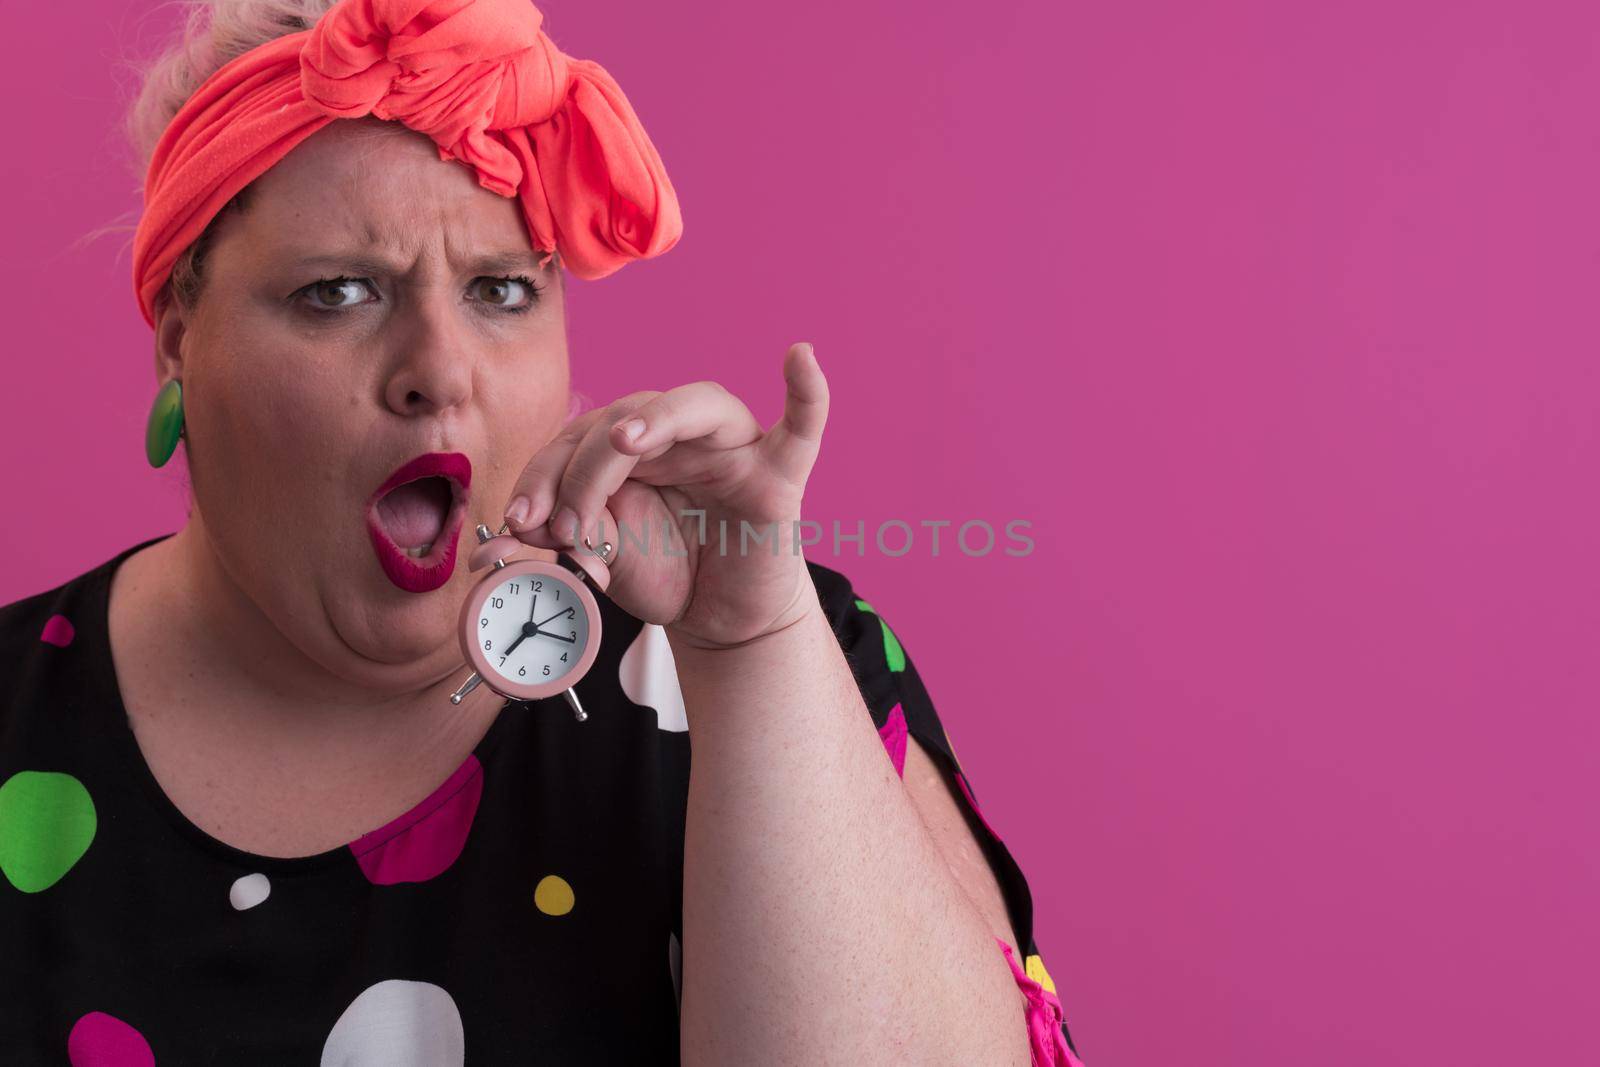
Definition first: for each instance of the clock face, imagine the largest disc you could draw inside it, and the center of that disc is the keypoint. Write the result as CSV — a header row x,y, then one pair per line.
x,y
533,628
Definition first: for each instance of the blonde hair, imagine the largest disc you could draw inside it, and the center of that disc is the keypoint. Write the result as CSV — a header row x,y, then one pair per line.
x,y
213,32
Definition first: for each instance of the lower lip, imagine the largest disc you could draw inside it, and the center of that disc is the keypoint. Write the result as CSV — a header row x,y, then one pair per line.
x,y
429,572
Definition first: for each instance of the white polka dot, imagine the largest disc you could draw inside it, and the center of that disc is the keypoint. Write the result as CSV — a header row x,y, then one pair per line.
x,y
249,891
650,677
397,1023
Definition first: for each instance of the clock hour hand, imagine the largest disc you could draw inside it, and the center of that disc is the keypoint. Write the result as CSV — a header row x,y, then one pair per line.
x,y
542,633
524,635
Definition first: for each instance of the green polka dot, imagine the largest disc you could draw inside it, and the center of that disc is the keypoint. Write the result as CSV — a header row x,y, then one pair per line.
x,y
46,823
891,644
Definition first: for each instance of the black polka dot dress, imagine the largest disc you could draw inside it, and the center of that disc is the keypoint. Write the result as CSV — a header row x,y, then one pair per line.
x,y
527,911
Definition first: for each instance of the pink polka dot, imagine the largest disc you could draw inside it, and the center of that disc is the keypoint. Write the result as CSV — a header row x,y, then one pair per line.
x,y
1047,1042
101,1040
961,780
425,841
893,735
58,631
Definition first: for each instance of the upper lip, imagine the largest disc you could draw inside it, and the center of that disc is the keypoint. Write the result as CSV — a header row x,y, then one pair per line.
x,y
453,467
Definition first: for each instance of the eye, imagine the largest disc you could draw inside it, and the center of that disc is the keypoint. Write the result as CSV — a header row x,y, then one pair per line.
x,y
332,288
502,292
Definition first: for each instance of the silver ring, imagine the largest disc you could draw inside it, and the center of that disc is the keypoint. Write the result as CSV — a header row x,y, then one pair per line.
x,y
606,548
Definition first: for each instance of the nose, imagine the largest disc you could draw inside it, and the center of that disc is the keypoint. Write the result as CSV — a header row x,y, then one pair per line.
x,y
435,356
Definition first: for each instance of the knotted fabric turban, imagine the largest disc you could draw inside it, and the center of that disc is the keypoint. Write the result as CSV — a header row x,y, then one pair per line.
x,y
479,77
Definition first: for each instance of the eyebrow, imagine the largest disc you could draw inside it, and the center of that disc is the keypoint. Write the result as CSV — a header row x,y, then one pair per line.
x,y
362,262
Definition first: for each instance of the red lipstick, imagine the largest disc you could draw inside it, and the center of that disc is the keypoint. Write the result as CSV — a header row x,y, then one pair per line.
x,y
425,574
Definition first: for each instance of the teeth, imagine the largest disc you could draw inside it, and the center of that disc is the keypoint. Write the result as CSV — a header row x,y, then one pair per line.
x,y
418,553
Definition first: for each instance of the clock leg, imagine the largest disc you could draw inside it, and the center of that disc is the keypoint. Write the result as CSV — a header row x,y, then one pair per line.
x,y
577,708
466,687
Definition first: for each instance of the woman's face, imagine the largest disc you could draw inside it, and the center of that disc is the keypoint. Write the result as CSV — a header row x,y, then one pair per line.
x,y
301,399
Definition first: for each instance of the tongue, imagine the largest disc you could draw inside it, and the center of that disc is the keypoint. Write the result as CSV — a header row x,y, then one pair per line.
x,y
413,515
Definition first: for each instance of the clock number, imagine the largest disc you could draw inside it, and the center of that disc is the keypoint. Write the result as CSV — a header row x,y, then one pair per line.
x,y
522,671
482,623
488,645
497,602
547,669
514,588
537,587
563,657
502,661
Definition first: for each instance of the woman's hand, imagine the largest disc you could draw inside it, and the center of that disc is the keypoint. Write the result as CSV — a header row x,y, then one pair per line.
x,y
652,462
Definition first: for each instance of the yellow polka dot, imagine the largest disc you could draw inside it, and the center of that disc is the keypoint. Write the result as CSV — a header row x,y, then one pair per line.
x,y
1033,967
553,895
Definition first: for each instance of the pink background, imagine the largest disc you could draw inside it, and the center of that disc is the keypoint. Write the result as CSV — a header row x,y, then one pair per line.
x,y
1276,321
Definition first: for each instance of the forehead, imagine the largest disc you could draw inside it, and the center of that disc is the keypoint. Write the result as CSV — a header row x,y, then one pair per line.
x,y
378,185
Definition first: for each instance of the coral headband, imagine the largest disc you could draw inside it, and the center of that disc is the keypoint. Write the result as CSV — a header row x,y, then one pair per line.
x,y
477,76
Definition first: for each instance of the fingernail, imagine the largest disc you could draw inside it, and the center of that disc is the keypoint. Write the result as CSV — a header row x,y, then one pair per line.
x,y
632,429
518,510
565,525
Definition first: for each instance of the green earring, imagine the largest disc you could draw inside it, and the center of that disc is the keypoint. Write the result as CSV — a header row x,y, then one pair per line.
x,y
161,433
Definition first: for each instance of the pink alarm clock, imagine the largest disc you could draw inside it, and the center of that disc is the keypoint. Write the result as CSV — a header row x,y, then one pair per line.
x,y
530,629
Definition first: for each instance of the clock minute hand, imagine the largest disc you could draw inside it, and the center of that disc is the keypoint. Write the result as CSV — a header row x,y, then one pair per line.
x,y
564,611
542,633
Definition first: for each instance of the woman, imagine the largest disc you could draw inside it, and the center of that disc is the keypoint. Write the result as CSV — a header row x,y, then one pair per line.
x,y
241,820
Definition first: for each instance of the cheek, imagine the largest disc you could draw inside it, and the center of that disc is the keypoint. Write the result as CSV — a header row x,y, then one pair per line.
x,y
278,420
521,416
535,405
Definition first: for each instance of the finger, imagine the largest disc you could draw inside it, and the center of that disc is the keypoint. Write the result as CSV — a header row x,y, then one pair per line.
x,y
599,556
540,480
595,471
535,489
606,532
703,412
792,445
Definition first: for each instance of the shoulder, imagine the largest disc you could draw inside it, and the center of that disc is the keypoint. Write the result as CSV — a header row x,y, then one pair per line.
x,y
17,616
43,638
30,628
833,587
39,619
870,646
844,601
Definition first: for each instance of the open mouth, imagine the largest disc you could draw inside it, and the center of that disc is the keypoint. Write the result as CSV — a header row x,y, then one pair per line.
x,y
415,520
414,514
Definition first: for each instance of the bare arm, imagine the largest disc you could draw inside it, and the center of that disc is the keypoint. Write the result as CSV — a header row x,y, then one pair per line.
x,y
931,796
821,923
